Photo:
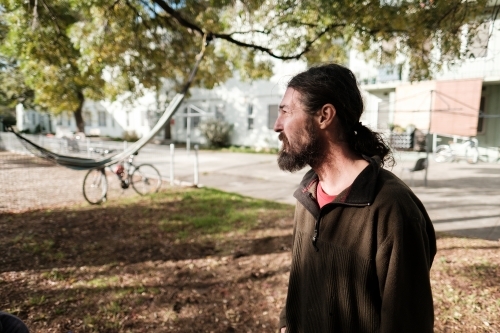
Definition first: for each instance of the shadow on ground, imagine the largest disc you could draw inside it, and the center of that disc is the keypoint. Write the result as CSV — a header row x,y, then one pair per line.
x,y
489,233
185,261
133,233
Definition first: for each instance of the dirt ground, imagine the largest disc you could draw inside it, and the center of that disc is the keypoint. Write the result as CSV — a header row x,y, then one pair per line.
x,y
29,182
120,268
117,269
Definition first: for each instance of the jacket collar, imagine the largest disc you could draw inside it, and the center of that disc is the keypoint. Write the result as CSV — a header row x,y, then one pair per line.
x,y
360,193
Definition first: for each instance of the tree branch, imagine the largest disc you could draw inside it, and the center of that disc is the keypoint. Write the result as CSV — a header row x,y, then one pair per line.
x,y
264,32
52,17
164,18
269,51
300,23
267,31
35,16
452,10
113,5
228,37
178,17
136,12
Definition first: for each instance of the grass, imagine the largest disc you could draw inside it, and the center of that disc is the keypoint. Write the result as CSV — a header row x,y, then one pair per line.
x,y
251,150
193,260
227,212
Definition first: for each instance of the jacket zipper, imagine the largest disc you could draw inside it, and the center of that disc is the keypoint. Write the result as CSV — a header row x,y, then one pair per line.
x,y
316,233
318,220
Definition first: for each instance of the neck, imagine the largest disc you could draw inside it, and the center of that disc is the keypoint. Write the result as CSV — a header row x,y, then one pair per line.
x,y
339,169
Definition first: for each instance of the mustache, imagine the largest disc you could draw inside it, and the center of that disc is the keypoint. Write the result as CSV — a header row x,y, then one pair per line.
x,y
282,137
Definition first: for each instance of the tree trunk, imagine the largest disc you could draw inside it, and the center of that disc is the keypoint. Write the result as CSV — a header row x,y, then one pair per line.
x,y
80,123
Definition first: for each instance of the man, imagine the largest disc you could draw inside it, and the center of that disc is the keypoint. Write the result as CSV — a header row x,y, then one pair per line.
x,y
363,243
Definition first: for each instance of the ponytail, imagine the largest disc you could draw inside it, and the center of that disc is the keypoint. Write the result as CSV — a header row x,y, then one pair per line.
x,y
364,141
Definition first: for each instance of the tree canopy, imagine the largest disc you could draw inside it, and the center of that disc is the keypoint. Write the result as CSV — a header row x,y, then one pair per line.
x,y
69,50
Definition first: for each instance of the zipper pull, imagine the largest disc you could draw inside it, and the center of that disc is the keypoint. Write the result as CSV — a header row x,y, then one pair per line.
x,y
316,234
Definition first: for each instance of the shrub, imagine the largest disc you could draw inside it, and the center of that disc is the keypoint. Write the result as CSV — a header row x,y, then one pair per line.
x,y
38,129
8,120
130,136
216,132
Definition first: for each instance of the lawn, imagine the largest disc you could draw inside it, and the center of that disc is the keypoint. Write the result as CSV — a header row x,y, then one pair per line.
x,y
193,260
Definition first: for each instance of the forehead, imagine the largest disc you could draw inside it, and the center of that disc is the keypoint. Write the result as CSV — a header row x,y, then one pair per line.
x,y
291,99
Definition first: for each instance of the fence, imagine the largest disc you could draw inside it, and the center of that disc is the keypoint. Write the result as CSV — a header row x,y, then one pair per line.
x,y
29,182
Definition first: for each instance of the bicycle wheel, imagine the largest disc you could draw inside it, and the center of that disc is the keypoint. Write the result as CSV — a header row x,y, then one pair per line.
x,y
472,155
443,154
145,179
95,186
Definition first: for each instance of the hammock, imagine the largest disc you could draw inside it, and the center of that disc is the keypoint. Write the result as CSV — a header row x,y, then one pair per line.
x,y
80,163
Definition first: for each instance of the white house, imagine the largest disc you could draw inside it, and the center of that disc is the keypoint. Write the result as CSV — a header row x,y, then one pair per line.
x,y
251,107
102,118
32,120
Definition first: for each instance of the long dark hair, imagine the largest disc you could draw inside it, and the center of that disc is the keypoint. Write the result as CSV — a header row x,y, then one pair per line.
x,y
335,84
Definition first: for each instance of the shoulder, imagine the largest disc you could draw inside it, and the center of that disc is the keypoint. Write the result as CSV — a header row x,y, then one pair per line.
x,y
391,187
394,197
400,217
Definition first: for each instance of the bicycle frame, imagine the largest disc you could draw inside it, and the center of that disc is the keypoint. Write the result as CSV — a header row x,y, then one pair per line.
x,y
143,178
128,168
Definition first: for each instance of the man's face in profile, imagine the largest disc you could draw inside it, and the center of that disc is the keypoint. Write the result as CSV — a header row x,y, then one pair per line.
x,y
301,144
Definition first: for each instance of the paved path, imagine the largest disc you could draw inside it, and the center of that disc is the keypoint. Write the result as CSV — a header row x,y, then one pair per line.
x,y
460,198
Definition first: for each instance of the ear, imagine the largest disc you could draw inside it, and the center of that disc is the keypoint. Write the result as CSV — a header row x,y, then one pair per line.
x,y
326,115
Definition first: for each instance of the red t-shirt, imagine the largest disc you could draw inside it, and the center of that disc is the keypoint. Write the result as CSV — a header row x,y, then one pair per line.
x,y
322,197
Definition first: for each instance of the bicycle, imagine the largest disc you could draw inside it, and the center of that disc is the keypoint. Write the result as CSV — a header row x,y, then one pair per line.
x,y
144,178
466,150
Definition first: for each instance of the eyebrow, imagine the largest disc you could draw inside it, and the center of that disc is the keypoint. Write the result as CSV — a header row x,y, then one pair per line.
x,y
282,106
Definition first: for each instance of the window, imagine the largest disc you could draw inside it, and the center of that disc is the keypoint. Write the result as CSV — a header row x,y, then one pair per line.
x,y
219,112
59,120
387,73
250,118
87,118
272,115
195,120
149,117
480,119
102,118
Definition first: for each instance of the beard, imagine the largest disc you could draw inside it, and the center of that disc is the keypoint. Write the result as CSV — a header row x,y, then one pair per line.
x,y
294,159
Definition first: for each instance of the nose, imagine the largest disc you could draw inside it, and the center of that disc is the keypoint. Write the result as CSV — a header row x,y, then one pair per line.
x,y
278,125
